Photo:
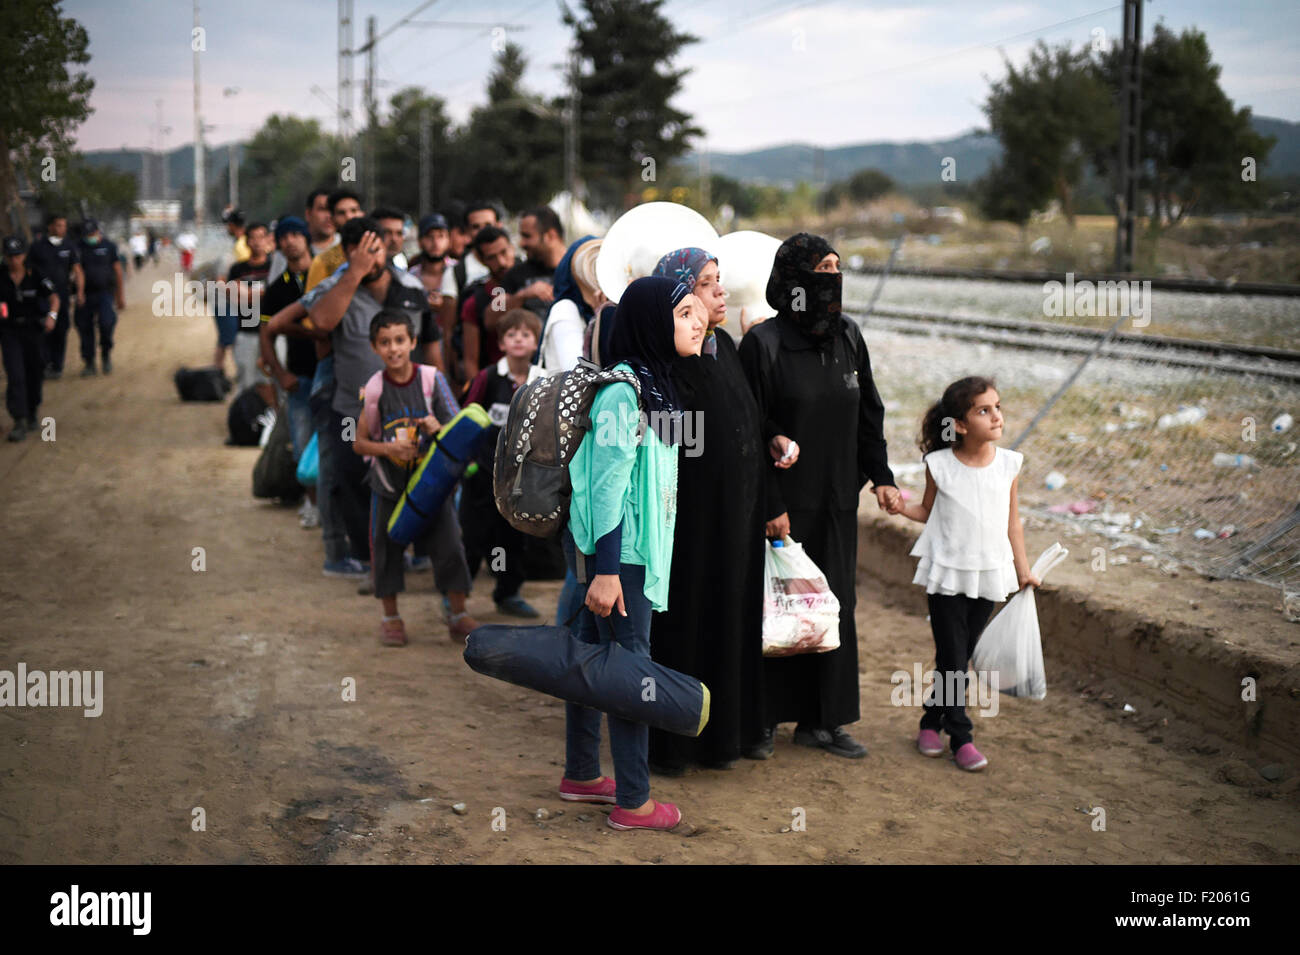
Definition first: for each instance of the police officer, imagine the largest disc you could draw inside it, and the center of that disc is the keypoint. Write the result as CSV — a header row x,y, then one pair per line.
x,y
29,306
54,257
103,288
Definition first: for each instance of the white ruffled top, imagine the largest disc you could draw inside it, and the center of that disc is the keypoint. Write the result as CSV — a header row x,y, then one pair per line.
x,y
965,547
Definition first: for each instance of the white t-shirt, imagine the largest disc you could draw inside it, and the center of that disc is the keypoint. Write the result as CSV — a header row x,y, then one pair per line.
x,y
965,547
474,270
562,338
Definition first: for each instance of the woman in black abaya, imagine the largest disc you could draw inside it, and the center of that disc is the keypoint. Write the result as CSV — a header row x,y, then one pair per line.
x,y
713,626
811,378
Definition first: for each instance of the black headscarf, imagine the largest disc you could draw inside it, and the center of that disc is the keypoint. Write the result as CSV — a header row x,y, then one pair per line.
x,y
643,336
809,299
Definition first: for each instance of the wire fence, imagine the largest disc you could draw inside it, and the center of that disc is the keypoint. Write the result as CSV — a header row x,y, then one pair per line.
x,y
1197,466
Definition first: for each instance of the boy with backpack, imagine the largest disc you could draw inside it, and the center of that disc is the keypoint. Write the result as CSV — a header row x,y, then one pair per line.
x,y
487,534
401,402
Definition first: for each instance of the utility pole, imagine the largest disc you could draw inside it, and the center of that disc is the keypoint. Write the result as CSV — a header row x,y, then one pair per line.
x,y
162,149
1130,141
426,162
572,115
344,103
705,196
372,113
200,186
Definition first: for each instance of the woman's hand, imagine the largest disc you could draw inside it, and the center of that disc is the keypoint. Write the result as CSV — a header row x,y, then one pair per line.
x,y
889,499
1028,580
779,527
605,593
784,451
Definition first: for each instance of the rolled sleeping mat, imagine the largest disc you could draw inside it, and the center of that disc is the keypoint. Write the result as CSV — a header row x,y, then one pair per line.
x,y
603,676
453,448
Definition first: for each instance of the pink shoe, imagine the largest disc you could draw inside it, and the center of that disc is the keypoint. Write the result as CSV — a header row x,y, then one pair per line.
x,y
664,816
602,791
969,758
392,633
930,743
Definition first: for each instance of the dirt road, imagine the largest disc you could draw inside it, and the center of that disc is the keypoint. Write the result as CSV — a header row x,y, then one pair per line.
x,y
224,692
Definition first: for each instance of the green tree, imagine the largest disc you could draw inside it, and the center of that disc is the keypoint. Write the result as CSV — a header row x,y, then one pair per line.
x,y
41,100
863,186
397,151
1050,117
513,148
284,160
83,189
627,124
1193,139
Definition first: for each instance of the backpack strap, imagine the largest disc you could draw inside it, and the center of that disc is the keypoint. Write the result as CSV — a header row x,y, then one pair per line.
x,y
370,406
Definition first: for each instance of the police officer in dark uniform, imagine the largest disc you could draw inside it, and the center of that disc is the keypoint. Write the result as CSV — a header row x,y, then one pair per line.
x,y
28,307
103,288
55,257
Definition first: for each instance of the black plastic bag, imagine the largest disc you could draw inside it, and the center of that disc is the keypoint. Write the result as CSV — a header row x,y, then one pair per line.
x,y
276,475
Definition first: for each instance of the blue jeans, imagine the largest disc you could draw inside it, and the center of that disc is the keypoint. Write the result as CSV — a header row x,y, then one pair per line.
x,y
298,407
331,520
628,742
571,594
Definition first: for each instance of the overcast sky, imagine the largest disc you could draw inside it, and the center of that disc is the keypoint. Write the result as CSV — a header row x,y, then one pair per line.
x,y
763,72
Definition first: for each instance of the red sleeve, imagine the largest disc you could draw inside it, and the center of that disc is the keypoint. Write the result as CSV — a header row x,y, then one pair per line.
x,y
477,388
468,313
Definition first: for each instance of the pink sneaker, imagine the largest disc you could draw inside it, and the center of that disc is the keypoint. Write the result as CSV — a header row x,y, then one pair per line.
x,y
602,791
664,816
970,759
930,743
392,633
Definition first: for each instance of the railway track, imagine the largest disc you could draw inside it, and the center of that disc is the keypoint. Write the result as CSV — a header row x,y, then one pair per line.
x,y
1073,339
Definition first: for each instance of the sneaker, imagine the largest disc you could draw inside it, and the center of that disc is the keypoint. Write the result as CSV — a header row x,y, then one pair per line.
x,y
929,743
308,515
366,588
417,562
516,606
89,371
459,626
969,758
18,433
764,747
108,365
602,791
52,373
347,567
392,633
835,741
664,816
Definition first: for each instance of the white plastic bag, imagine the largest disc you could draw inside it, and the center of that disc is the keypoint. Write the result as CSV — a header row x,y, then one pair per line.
x,y
1011,644
800,614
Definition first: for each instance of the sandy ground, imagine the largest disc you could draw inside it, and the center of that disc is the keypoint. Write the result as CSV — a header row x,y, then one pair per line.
x,y
224,690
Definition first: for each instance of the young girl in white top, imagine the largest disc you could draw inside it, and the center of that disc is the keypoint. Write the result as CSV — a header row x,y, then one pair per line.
x,y
972,551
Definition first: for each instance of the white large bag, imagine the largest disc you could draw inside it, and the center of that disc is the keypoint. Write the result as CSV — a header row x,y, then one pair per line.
x,y
1011,644
800,614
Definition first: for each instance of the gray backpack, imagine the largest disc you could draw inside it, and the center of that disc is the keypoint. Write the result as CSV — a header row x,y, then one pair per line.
x,y
545,425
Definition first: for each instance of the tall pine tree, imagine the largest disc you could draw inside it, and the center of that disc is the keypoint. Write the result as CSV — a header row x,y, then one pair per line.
x,y
629,130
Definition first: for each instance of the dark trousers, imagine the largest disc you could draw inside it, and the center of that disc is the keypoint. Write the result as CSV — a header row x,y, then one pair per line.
x,y
629,743
485,530
55,342
441,542
351,495
24,369
98,311
957,623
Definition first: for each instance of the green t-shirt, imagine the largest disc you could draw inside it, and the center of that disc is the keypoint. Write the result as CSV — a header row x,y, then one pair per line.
x,y
618,479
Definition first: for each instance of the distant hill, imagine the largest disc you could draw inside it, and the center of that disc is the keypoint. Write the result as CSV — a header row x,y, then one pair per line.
x,y
912,163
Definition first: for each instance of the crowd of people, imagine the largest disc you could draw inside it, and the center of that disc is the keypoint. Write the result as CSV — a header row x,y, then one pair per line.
x,y
370,353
